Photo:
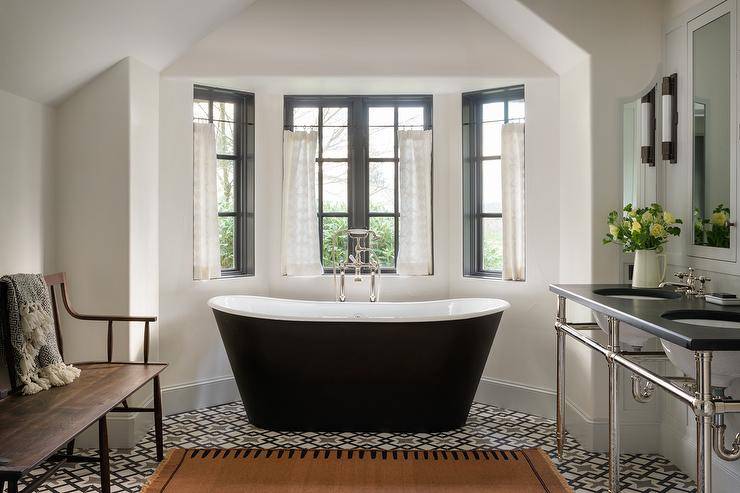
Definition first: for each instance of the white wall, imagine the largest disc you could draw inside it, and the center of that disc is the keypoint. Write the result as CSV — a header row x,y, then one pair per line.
x,y
623,43
526,330
106,214
143,204
189,339
92,208
26,189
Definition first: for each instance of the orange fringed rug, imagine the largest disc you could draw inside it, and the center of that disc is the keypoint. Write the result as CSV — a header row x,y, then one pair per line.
x,y
340,471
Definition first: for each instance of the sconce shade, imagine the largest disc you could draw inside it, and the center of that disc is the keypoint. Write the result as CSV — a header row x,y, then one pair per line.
x,y
669,118
645,110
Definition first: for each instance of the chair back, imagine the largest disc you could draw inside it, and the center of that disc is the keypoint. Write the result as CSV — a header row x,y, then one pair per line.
x,y
55,282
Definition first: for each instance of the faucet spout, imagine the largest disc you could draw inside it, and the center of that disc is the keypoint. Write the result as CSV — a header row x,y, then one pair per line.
x,y
677,285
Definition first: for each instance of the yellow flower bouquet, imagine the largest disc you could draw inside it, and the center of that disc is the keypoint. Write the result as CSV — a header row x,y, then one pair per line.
x,y
647,228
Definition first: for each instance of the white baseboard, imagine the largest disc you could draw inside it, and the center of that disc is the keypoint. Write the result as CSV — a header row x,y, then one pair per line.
x,y
591,433
199,394
126,429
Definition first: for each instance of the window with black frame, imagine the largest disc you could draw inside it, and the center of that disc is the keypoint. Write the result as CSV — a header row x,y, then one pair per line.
x,y
357,163
232,114
484,114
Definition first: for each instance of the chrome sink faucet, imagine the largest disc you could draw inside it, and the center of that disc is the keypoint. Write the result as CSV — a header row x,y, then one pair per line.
x,y
690,284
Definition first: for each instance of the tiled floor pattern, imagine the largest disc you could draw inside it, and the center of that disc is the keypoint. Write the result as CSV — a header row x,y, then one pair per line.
x,y
487,427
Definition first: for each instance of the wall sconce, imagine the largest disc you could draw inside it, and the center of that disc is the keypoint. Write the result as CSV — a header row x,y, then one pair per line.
x,y
669,119
647,128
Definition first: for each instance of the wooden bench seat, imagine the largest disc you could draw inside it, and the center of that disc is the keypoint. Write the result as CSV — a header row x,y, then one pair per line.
x,y
41,428
33,426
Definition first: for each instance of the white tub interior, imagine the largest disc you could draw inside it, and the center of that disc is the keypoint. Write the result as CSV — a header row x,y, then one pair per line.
x,y
318,311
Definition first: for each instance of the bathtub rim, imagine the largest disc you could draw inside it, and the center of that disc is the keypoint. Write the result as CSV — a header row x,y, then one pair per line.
x,y
498,307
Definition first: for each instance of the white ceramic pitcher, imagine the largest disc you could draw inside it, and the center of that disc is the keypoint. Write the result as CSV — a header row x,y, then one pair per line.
x,y
649,270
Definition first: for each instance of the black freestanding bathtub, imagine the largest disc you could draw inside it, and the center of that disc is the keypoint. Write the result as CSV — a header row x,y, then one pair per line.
x,y
325,366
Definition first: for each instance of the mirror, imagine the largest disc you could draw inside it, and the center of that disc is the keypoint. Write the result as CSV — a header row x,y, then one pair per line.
x,y
638,149
711,132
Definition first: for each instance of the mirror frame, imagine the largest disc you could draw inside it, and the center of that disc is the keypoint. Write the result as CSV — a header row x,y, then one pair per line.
x,y
700,252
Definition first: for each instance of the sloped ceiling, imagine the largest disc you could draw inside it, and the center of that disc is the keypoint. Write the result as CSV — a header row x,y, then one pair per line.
x,y
357,38
49,48
532,32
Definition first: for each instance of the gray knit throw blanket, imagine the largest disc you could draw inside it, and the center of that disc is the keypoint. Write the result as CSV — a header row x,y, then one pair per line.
x,y
29,322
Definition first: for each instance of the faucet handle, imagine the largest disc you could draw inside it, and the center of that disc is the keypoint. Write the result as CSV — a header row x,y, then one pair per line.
x,y
702,281
689,274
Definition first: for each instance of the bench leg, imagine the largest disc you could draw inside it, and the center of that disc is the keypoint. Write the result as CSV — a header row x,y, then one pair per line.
x,y
104,458
12,486
71,447
158,434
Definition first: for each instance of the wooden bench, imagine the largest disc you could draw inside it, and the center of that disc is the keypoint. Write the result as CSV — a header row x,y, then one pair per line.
x,y
41,428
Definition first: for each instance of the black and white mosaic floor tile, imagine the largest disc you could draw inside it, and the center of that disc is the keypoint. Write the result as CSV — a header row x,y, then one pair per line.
x,y
487,427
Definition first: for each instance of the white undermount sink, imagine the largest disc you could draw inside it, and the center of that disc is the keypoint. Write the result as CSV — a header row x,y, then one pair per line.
x,y
628,334
725,364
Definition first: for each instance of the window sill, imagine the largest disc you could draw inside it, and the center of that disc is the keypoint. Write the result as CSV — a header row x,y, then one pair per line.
x,y
493,276
348,274
230,276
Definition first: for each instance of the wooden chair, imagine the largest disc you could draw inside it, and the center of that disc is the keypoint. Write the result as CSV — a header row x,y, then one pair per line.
x,y
35,428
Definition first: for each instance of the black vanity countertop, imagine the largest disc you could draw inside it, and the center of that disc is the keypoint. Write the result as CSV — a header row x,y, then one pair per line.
x,y
646,315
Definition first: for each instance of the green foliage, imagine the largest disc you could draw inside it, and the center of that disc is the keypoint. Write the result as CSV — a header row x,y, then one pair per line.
x,y
493,255
226,241
647,228
383,246
714,231
226,225
331,226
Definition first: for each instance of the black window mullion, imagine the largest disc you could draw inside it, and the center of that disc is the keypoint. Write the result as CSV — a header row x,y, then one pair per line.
x,y
473,160
397,168
320,179
358,160
479,185
243,172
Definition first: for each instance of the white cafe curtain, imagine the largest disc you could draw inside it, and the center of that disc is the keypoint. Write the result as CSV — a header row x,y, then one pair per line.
x,y
206,251
415,202
513,200
300,225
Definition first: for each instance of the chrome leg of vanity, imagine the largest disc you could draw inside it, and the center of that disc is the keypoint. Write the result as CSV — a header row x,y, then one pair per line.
x,y
704,416
614,448
560,411
704,406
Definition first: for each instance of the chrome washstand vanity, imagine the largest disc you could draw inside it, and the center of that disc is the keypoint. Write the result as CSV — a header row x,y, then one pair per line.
x,y
687,325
